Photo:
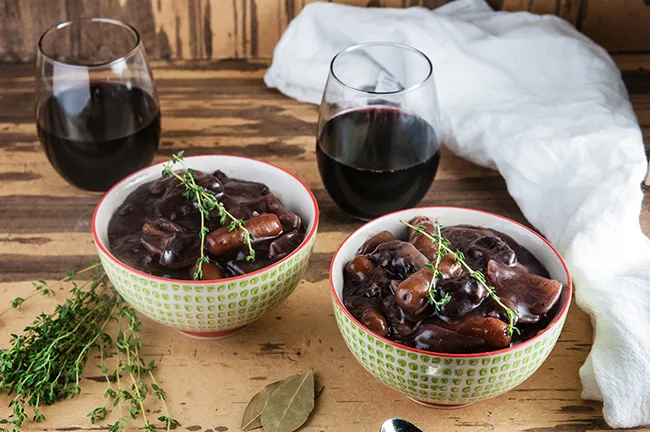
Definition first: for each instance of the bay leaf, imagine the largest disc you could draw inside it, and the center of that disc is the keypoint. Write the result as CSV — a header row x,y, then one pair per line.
x,y
252,418
289,406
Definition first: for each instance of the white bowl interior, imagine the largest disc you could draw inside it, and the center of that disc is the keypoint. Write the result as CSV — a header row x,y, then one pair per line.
x,y
450,216
291,192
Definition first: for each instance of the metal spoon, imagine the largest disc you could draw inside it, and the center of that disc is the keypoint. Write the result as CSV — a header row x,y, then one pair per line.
x,y
399,425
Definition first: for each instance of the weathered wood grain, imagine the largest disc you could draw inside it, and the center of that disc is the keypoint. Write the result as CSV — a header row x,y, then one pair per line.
x,y
224,107
215,29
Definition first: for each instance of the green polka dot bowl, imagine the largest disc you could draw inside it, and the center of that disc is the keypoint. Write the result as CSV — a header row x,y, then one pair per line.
x,y
218,308
443,380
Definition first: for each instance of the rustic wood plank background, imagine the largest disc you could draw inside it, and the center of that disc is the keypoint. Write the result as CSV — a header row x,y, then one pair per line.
x,y
217,29
224,107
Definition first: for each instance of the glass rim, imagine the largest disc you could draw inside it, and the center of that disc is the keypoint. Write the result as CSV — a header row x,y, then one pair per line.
x,y
384,44
69,23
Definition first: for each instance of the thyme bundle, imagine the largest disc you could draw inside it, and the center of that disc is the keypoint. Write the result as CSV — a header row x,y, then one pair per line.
x,y
46,362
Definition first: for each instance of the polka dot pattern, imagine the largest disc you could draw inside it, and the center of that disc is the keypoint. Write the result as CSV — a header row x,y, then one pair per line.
x,y
443,380
211,307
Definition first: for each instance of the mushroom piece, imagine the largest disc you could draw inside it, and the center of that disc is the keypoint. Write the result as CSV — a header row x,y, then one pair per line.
x,y
431,337
371,244
399,258
532,295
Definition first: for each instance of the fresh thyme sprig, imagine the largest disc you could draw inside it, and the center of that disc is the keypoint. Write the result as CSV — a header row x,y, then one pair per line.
x,y
444,245
431,293
45,364
206,201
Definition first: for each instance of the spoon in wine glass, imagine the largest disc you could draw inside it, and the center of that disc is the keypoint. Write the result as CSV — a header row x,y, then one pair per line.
x,y
398,425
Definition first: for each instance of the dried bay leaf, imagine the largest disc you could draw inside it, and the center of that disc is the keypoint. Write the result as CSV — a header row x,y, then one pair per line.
x,y
289,406
252,418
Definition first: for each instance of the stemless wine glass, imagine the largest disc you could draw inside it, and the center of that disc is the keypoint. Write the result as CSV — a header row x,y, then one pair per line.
x,y
97,111
377,146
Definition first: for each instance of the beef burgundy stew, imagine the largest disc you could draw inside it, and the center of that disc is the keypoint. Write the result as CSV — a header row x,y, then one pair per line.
x,y
488,291
157,230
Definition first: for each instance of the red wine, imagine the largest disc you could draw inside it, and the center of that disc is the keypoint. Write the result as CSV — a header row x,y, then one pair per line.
x,y
95,136
377,160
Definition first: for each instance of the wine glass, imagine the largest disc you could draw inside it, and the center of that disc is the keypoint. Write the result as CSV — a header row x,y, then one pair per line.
x,y
97,112
377,145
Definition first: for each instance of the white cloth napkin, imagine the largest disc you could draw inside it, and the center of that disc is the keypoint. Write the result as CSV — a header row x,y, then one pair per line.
x,y
535,99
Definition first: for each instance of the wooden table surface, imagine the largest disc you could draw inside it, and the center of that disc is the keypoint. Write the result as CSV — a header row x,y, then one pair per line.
x,y
225,108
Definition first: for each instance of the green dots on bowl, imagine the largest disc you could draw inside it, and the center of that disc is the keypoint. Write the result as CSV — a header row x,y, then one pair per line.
x,y
199,288
187,298
221,307
507,357
413,375
448,361
232,296
528,350
446,371
221,288
156,294
485,361
496,360
412,356
143,281
505,367
424,358
390,367
492,379
380,354
469,381
231,313
390,348
401,352
483,372
456,381
198,299
435,360
188,308
401,362
255,290
264,276
494,370
444,380
413,366
187,288
471,372
390,358
516,364
165,296
210,288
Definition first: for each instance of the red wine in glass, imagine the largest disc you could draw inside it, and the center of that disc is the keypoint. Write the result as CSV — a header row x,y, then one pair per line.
x,y
377,146
97,113
94,136
378,159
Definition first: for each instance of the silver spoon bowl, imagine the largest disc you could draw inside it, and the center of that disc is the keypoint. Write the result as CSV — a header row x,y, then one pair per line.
x,y
399,425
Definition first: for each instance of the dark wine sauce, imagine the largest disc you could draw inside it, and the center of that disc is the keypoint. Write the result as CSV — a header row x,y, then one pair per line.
x,y
376,160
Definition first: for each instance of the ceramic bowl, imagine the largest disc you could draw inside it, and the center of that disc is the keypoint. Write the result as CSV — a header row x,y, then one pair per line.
x,y
219,308
438,379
